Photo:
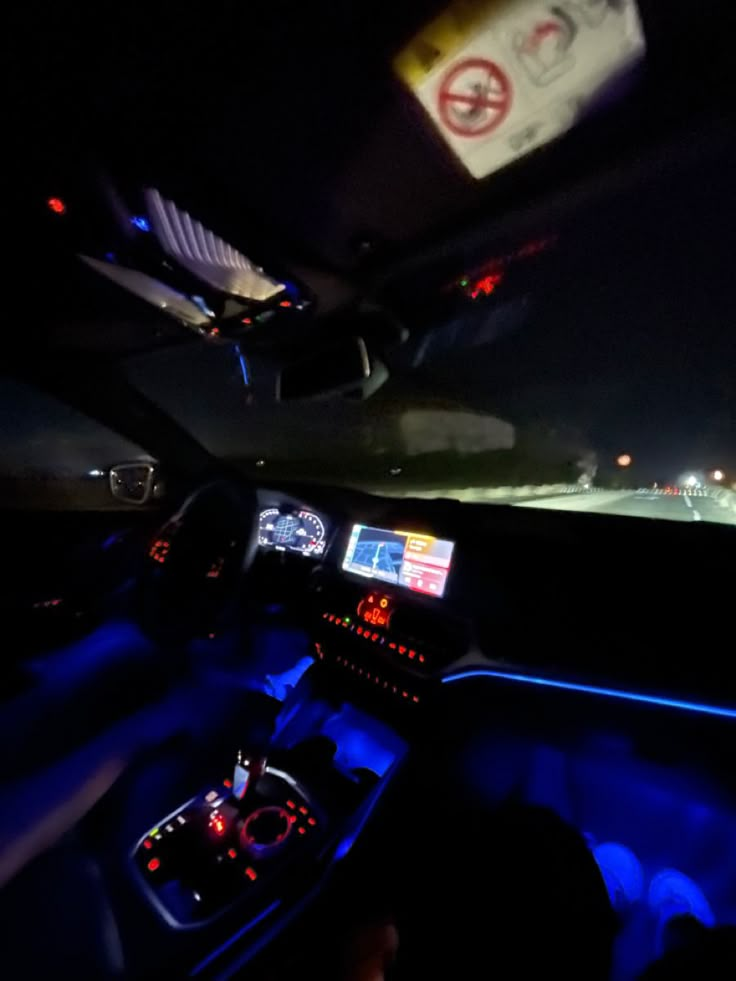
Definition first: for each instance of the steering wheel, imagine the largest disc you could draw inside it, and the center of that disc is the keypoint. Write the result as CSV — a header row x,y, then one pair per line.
x,y
196,559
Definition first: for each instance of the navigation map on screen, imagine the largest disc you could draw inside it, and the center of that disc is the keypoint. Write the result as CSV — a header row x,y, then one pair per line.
x,y
402,558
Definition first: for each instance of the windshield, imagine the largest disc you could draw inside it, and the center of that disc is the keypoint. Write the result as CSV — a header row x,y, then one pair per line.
x,y
587,368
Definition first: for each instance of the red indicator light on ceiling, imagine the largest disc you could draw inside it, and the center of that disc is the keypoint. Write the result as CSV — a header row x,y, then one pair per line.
x,y
486,285
56,205
251,873
154,864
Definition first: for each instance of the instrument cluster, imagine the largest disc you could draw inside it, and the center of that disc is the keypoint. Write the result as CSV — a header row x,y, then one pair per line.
x,y
288,529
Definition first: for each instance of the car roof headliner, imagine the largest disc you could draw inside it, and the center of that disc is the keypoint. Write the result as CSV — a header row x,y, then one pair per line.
x,y
292,138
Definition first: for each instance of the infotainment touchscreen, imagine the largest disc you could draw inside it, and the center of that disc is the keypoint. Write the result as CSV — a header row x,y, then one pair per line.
x,y
403,558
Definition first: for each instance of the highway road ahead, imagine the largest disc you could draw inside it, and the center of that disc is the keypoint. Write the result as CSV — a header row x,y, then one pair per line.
x,y
692,506
686,506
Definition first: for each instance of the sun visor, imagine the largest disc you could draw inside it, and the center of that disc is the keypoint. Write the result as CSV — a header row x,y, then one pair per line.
x,y
501,79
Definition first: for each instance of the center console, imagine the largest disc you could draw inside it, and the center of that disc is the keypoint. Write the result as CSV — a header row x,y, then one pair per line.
x,y
237,859
230,843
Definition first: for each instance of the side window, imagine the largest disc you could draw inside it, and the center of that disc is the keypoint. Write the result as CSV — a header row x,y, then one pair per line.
x,y
53,457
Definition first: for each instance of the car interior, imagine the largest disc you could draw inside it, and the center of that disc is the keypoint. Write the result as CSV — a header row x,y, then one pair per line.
x,y
252,721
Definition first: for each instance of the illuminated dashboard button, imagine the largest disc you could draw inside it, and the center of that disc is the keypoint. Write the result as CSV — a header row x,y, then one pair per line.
x,y
251,873
154,864
148,844
412,654
402,649
392,645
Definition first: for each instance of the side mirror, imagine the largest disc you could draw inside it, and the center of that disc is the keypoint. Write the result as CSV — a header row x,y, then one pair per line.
x,y
136,483
344,367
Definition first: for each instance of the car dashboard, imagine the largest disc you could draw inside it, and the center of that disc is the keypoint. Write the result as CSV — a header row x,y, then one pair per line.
x,y
401,658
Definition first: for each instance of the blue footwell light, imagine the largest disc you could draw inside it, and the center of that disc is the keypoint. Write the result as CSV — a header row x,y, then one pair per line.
x,y
628,696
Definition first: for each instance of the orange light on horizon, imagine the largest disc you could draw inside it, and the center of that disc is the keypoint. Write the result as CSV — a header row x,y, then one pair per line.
x,y
624,460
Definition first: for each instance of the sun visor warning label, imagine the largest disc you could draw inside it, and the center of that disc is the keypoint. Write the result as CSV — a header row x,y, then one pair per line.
x,y
500,79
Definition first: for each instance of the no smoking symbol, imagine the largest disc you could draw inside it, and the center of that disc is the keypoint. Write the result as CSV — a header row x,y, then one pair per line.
x,y
474,98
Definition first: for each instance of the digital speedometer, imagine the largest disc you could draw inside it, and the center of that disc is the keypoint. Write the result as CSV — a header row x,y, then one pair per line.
x,y
292,531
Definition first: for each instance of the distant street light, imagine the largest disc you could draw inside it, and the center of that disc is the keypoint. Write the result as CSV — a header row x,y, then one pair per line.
x,y
718,475
624,460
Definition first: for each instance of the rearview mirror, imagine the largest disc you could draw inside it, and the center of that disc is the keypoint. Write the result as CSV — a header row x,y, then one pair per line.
x,y
344,367
136,483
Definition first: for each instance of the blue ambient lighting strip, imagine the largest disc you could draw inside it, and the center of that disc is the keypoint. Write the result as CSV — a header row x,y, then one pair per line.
x,y
629,696
231,940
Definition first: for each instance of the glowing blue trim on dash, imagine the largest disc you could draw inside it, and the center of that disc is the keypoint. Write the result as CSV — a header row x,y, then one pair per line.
x,y
234,939
628,696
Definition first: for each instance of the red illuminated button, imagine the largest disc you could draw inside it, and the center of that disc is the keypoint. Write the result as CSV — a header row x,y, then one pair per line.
x,y
402,650
232,853
217,824
154,864
412,655
302,831
227,783
374,638
290,804
392,645
311,821
303,810
251,873
148,844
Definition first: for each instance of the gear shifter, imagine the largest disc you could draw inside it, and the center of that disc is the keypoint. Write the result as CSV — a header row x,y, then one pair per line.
x,y
246,775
